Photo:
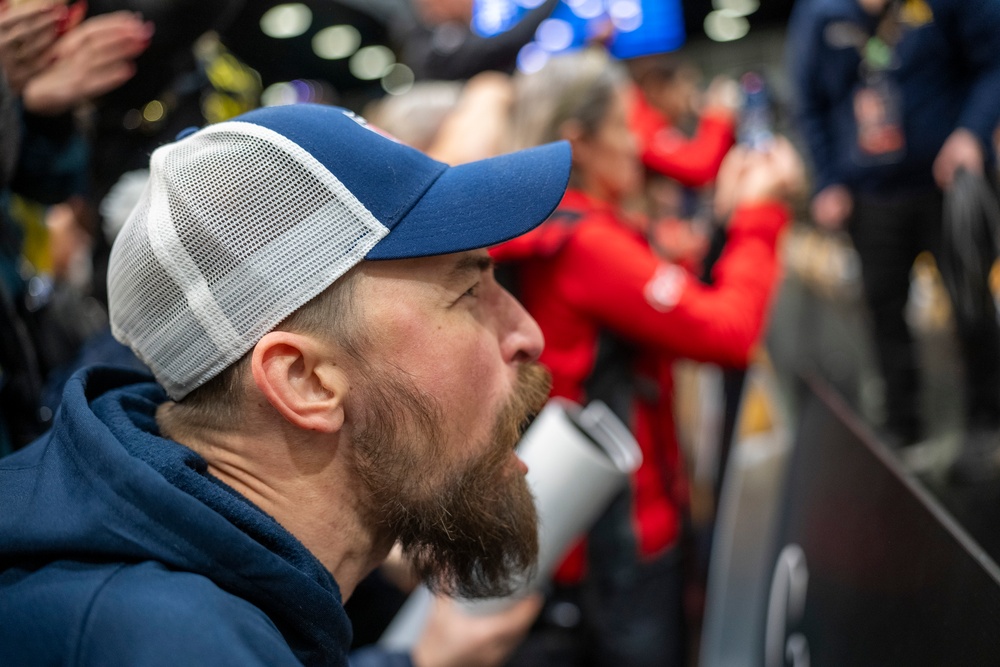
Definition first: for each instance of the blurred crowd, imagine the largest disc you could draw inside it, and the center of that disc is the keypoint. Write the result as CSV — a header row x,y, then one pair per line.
x,y
665,247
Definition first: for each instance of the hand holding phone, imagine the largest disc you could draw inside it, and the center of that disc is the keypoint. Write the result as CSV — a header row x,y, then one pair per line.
x,y
753,176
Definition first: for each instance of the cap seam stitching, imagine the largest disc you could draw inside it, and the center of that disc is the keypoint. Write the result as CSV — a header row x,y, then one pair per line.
x,y
403,211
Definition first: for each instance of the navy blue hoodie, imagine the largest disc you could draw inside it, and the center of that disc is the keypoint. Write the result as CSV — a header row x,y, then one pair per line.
x,y
117,547
948,76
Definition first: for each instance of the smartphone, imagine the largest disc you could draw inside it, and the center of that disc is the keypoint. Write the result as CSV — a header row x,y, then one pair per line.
x,y
637,27
756,127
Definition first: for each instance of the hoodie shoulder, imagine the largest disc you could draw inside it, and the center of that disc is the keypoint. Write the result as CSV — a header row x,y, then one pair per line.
x,y
148,615
141,614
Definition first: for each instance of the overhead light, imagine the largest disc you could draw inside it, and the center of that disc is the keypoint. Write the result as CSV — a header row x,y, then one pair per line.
x,y
531,58
398,80
626,15
554,35
492,18
371,62
132,119
153,111
284,21
305,90
279,94
724,26
586,9
336,42
529,4
737,7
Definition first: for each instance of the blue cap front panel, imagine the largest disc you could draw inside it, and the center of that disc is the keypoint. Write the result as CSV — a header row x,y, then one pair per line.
x,y
386,176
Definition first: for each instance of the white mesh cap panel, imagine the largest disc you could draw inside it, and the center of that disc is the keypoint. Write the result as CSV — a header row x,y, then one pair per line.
x,y
237,228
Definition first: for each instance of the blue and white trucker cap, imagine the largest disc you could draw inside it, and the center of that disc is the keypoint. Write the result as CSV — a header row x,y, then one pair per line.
x,y
244,221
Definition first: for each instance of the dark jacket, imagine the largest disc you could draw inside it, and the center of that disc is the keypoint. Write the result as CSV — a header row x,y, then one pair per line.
x,y
45,160
118,548
947,73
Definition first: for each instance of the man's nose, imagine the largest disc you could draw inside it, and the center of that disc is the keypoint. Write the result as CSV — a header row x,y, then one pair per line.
x,y
521,338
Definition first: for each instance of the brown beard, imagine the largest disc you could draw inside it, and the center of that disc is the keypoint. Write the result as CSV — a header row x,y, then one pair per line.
x,y
474,535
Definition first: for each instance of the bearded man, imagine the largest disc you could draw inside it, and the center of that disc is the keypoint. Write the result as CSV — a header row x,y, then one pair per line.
x,y
336,371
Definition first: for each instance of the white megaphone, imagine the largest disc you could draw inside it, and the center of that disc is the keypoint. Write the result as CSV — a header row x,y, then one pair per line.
x,y
578,459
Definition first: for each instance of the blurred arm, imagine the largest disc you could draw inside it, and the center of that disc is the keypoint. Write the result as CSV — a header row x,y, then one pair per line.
x,y
807,57
978,27
475,129
693,162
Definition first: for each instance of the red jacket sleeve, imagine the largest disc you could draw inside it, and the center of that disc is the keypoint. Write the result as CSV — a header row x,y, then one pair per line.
x,y
693,162
619,283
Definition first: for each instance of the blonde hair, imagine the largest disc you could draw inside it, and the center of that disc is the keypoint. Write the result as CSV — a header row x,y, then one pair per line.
x,y
579,86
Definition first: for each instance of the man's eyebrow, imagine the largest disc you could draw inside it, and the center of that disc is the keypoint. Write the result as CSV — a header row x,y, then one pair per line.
x,y
470,264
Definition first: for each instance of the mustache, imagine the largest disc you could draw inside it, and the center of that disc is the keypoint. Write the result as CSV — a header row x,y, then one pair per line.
x,y
534,382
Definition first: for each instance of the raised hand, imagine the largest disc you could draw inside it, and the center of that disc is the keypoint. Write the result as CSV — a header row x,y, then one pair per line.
x,y
28,31
90,60
753,176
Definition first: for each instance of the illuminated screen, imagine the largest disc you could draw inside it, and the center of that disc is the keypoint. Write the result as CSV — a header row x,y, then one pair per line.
x,y
638,27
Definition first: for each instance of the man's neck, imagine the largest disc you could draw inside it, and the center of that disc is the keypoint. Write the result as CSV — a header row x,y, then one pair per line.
x,y
305,484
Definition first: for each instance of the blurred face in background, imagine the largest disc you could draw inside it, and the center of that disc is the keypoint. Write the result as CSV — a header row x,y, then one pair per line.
x,y
873,7
676,96
606,159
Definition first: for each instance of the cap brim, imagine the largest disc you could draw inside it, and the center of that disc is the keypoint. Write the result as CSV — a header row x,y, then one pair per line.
x,y
481,204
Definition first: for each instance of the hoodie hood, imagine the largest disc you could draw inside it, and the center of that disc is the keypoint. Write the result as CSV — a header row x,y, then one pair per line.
x,y
103,487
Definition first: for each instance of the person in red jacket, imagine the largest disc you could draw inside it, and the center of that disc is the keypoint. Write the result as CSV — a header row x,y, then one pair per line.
x,y
615,316
662,99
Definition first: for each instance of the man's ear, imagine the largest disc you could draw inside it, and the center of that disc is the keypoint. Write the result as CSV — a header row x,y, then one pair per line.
x,y
300,379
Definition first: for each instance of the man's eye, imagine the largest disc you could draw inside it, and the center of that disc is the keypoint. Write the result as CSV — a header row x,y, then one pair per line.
x,y
472,291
